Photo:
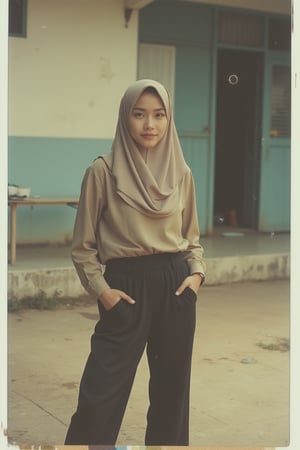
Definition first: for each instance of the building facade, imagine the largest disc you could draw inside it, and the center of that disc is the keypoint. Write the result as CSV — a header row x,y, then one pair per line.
x,y
226,65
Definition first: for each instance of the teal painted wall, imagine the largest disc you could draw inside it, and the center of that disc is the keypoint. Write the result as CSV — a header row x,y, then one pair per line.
x,y
51,167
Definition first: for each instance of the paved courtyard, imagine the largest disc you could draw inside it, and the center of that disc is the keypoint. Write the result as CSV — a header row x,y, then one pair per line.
x,y
240,382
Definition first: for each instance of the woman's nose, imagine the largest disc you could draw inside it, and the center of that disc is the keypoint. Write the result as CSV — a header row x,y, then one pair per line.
x,y
149,122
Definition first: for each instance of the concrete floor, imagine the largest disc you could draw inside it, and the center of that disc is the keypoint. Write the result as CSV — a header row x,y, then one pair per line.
x,y
239,393
225,242
244,255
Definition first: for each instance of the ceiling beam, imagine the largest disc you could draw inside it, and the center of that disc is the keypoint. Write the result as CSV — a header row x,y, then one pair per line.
x,y
136,4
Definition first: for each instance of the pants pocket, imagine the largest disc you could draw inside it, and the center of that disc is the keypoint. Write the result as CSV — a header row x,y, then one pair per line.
x,y
188,296
118,318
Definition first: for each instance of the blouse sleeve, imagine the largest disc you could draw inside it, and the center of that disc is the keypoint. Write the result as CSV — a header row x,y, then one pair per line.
x,y
84,246
190,230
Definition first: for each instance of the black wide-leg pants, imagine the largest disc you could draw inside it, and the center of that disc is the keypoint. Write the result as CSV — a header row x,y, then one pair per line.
x,y
160,320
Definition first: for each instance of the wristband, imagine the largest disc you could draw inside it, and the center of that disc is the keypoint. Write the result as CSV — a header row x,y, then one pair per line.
x,y
201,275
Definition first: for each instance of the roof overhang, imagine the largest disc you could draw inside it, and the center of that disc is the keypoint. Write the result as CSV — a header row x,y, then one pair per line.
x,y
136,4
133,5
271,6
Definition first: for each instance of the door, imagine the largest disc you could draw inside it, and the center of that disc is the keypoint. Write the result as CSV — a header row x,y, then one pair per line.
x,y
238,119
274,210
192,101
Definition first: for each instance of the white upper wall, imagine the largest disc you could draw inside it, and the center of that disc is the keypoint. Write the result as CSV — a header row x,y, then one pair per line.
x,y
67,76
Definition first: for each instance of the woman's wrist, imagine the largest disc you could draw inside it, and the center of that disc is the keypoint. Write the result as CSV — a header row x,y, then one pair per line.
x,y
200,275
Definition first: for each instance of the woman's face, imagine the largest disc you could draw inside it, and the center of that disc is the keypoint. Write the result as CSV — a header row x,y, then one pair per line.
x,y
148,120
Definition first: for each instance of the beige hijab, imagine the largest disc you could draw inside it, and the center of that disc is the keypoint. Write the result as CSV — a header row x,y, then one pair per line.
x,y
150,184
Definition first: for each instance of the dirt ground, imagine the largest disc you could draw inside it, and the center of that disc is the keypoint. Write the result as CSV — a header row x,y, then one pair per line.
x,y
240,374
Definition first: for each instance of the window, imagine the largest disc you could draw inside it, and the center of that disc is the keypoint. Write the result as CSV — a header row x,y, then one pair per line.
x,y
279,34
17,17
281,102
241,29
158,63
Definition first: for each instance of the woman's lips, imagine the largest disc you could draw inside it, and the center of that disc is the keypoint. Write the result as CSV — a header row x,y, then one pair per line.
x,y
149,136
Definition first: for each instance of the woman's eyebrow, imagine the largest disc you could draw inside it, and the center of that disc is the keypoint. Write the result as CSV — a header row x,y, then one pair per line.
x,y
144,109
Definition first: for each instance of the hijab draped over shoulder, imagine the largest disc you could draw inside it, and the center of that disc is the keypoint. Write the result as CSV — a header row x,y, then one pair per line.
x,y
150,185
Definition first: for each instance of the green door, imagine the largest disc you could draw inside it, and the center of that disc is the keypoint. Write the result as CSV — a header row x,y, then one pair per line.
x,y
192,103
274,205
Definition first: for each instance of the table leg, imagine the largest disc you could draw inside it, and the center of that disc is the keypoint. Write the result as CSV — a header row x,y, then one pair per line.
x,y
13,232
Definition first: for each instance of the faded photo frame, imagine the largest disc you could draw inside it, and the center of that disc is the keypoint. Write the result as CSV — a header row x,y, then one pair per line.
x,y
106,72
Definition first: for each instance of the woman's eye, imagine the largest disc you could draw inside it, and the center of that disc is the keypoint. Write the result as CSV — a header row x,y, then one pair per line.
x,y
160,115
138,115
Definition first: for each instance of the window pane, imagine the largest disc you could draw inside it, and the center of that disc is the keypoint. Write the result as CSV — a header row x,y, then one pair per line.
x,y
158,62
279,34
281,102
17,17
241,29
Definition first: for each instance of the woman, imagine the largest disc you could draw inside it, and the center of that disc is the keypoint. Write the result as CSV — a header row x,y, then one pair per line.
x,y
137,217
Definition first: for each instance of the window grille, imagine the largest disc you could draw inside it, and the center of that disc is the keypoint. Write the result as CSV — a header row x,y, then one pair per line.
x,y
241,29
281,102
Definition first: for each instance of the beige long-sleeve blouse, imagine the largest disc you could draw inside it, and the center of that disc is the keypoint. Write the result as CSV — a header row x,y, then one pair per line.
x,y
106,227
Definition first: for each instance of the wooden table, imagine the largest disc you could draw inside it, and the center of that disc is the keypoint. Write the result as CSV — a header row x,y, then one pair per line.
x,y
31,201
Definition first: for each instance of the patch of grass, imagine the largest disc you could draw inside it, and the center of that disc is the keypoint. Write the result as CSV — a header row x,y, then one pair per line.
x,y
280,345
38,301
42,301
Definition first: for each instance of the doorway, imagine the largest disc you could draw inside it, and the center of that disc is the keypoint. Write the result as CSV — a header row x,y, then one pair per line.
x,y
238,137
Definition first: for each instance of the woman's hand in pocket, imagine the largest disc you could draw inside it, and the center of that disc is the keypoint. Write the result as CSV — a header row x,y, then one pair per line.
x,y
110,297
192,281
